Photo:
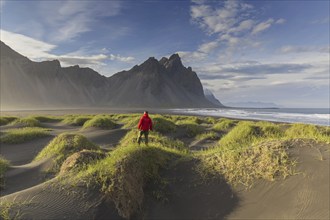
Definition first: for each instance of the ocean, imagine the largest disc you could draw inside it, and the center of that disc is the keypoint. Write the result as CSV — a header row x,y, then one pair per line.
x,y
317,116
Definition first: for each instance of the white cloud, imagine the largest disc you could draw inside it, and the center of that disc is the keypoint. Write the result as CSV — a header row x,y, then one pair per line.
x,y
208,47
120,58
234,25
32,48
262,26
67,20
280,21
304,49
38,51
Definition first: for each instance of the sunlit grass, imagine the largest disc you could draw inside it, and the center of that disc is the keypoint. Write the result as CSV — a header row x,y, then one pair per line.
x,y
100,121
163,125
26,122
4,120
4,164
253,150
207,135
224,125
62,147
42,118
21,135
122,175
76,120
318,133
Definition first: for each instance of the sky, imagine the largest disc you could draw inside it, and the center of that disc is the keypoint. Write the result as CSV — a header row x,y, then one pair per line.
x,y
243,51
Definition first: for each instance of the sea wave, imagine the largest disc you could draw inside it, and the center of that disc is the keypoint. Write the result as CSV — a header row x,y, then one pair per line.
x,y
260,114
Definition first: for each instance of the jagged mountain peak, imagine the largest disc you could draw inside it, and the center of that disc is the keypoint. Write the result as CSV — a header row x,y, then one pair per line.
x,y
47,84
174,62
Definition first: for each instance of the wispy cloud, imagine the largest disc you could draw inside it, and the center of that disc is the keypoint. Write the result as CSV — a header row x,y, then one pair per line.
x,y
232,23
32,48
68,19
325,20
39,51
249,70
304,49
2,4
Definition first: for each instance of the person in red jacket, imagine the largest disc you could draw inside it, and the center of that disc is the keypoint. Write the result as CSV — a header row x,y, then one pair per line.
x,y
145,124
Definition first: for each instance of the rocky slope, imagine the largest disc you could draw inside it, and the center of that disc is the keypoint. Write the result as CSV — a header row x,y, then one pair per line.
x,y
158,84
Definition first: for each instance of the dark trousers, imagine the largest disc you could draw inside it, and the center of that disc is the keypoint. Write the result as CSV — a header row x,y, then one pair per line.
x,y
145,133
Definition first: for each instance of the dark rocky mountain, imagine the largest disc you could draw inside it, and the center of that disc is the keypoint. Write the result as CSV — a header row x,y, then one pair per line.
x,y
209,96
158,84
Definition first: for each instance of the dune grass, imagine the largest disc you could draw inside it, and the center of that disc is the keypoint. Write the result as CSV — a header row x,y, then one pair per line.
x,y
76,120
21,135
122,175
318,133
163,125
4,165
253,150
62,147
4,120
224,125
42,118
131,121
26,122
192,129
207,135
100,121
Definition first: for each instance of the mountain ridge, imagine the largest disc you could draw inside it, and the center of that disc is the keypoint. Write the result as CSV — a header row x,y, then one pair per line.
x,y
158,84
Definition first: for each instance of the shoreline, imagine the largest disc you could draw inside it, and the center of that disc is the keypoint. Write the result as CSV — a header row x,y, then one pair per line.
x,y
248,114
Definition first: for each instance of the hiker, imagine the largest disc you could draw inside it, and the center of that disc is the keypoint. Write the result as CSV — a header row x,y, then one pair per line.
x,y
145,124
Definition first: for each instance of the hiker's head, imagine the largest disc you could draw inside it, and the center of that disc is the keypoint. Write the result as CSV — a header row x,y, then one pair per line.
x,y
145,112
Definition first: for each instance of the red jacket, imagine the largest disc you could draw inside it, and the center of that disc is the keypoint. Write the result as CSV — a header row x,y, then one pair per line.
x,y
145,123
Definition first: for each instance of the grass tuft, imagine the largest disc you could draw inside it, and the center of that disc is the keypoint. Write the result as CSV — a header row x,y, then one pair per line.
x,y
224,125
4,120
208,135
4,165
100,121
122,175
47,118
27,122
62,146
21,135
266,160
163,125
76,120
308,131
80,160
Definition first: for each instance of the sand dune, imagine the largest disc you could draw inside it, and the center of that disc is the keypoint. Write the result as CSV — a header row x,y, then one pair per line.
x,y
302,196
36,195
22,177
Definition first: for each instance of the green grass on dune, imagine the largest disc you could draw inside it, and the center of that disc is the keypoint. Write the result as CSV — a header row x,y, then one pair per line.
x,y
154,138
62,147
27,122
42,118
100,121
21,135
122,175
253,150
318,133
207,135
163,125
76,120
4,120
192,129
4,164
224,125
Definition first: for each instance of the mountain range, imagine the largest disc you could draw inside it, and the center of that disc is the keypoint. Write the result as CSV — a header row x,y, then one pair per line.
x,y
155,84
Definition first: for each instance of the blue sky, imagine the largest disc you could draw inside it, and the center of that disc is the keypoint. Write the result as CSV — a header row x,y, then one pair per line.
x,y
266,51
